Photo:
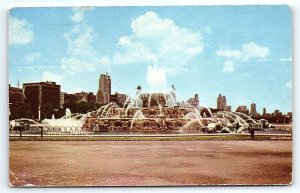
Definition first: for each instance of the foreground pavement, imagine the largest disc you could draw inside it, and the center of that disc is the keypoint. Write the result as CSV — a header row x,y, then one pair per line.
x,y
146,163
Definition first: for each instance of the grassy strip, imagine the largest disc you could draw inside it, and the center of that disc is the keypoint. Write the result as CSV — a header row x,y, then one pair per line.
x,y
160,138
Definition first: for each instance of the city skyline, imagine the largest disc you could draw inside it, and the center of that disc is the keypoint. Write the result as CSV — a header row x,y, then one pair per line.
x,y
73,46
220,102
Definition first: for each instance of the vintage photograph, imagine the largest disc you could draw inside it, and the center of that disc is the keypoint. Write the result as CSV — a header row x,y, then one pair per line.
x,y
150,95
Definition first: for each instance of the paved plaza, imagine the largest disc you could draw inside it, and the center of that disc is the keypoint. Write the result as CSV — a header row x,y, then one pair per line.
x,y
146,163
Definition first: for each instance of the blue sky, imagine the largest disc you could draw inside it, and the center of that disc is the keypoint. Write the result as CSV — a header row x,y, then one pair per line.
x,y
243,52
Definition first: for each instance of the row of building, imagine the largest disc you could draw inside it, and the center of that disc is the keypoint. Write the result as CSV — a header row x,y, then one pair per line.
x,y
38,94
275,117
221,103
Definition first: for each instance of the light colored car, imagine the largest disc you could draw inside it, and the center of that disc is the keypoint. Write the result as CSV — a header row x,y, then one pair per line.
x,y
28,124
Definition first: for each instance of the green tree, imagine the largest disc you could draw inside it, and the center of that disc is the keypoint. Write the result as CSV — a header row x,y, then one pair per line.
x,y
20,110
47,110
81,107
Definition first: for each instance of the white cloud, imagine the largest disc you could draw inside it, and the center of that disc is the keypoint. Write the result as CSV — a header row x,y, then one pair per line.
x,y
133,52
81,54
289,84
254,51
249,51
230,54
160,41
32,56
228,66
50,76
19,31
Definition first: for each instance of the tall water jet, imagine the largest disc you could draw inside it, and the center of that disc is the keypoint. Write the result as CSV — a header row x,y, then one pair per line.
x,y
173,94
68,113
138,102
156,78
171,100
138,115
160,110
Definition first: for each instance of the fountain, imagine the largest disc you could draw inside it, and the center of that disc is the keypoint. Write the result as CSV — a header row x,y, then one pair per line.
x,y
159,112
156,78
67,122
155,111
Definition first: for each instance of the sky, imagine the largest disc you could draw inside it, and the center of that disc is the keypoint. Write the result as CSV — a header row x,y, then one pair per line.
x,y
242,52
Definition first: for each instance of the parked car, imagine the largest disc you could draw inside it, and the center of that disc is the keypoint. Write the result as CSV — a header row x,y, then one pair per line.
x,y
26,124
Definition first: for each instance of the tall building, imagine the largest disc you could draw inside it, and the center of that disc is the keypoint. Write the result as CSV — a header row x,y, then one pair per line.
x,y
194,101
104,90
264,111
221,103
41,93
253,109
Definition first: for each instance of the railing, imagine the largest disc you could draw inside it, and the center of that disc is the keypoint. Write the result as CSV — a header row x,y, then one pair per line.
x,y
65,131
49,131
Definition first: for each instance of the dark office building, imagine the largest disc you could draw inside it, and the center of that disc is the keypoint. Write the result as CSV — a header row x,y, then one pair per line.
x,y
41,93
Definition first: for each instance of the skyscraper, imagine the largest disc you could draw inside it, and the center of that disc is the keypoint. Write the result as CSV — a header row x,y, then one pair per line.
x,y
253,109
104,90
221,103
264,111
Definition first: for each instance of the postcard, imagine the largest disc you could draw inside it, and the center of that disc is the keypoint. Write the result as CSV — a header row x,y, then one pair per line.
x,y
150,96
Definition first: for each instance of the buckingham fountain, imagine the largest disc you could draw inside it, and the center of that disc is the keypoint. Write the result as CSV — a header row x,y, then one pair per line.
x,y
156,111
160,112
